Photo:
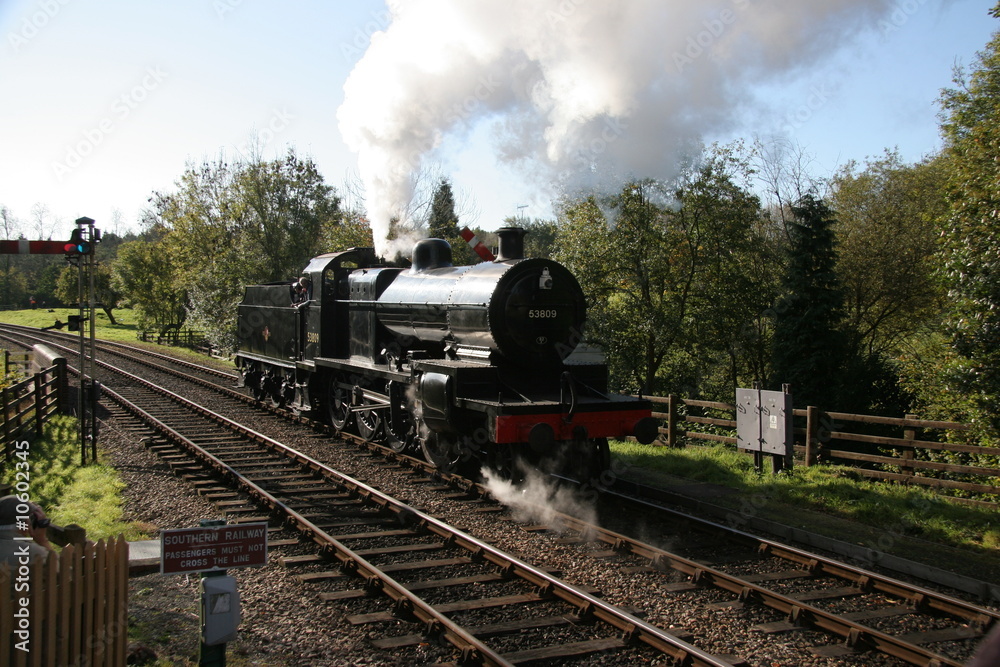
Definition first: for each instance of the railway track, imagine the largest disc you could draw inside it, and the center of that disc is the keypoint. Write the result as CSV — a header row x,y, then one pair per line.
x,y
334,511
797,582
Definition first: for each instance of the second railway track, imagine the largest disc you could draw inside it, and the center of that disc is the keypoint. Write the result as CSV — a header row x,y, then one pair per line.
x,y
795,612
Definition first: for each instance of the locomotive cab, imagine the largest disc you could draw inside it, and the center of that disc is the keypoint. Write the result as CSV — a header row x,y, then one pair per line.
x,y
284,327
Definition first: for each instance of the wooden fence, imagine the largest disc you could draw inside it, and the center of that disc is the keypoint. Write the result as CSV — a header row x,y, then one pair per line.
x,y
71,609
908,456
185,338
20,359
28,404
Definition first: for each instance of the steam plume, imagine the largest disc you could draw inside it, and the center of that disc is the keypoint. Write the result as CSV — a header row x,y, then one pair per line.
x,y
580,92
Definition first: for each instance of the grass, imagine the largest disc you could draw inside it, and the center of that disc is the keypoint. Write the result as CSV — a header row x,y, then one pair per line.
x,y
126,330
89,496
835,491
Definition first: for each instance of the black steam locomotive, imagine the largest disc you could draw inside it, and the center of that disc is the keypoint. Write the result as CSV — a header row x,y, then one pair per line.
x,y
476,364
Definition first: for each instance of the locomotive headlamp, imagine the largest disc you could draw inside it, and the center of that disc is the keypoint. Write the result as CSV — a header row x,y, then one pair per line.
x,y
545,280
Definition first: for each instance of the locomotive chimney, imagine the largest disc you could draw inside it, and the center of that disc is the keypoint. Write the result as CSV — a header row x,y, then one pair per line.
x,y
511,243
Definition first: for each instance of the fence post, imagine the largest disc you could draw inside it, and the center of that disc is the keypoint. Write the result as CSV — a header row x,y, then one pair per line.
x,y
909,434
62,385
812,432
671,420
39,405
5,406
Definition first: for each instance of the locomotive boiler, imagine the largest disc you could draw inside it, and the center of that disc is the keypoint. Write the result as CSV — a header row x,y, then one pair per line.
x,y
479,364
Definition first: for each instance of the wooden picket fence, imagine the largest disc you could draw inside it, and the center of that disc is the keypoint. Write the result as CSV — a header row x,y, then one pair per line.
x,y
74,611
910,456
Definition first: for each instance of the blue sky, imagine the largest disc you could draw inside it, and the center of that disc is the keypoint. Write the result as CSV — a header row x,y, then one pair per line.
x,y
105,102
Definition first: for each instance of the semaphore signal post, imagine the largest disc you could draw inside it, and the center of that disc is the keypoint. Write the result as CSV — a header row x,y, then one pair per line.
x,y
79,252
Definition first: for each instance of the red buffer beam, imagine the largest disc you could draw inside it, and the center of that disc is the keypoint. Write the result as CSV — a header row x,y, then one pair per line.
x,y
25,247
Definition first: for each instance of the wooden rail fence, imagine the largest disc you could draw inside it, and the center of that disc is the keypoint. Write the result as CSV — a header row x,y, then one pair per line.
x,y
71,609
28,404
908,458
185,338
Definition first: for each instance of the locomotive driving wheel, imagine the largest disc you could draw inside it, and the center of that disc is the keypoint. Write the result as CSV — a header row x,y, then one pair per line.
x,y
338,405
400,431
369,423
442,451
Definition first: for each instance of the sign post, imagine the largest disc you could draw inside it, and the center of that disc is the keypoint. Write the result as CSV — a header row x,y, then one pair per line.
x,y
211,549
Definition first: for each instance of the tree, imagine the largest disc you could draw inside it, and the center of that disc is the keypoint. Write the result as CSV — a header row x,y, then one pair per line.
x,y
886,243
442,223
663,265
234,224
351,230
808,346
146,275
971,231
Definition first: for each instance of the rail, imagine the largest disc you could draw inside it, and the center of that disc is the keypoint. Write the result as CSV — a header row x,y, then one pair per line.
x,y
915,454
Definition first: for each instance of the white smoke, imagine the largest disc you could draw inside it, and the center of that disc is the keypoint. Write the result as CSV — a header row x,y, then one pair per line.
x,y
539,499
582,93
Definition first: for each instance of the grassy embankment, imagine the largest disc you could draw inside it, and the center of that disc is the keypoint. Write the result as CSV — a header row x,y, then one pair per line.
x,y
89,496
832,500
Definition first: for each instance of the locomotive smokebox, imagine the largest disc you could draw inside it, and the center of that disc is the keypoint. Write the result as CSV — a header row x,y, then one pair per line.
x,y
511,243
431,254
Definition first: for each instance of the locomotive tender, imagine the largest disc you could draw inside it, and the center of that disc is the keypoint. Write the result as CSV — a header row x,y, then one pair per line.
x,y
467,363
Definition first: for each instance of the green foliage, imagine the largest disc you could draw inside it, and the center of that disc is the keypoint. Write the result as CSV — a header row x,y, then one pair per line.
x,y
673,275
148,278
352,231
808,346
13,284
442,223
540,241
886,241
971,242
229,225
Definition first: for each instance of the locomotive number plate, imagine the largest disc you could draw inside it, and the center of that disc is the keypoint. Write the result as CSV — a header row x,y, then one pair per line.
x,y
312,337
543,313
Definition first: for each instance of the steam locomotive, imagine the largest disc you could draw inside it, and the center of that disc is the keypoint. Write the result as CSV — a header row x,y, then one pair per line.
x,y
478,364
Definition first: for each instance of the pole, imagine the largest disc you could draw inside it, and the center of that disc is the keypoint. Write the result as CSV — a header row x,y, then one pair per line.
x,y
210,655
81,409
92,269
